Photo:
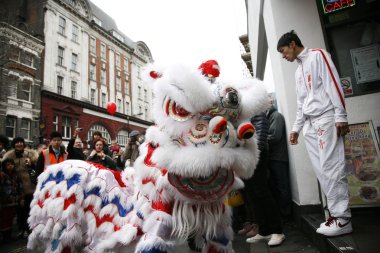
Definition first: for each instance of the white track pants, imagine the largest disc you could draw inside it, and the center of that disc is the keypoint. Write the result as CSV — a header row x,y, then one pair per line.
x,y
326,152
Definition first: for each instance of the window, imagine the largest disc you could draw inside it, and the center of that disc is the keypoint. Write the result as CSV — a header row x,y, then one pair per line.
x,y
102,130
119,106
12,88
10,127
59,85
55,123
145,95
73,89
92,72
25,129
118,83
61,54
103,51
104,100
122,138
66,127
97,21
146,113
74,61
92,45
118,60
103,76
75,33
140,109
126,63
92,96
62,25
26,58
25,90
139,93
14,54
126,108
126,86
138,72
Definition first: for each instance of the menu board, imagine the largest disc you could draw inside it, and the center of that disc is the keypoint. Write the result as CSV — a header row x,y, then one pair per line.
x,y
363,165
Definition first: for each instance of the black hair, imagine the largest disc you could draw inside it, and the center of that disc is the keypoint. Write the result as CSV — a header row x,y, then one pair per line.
x,y
4,139
287,38
55,134
97,133
17,139
5,161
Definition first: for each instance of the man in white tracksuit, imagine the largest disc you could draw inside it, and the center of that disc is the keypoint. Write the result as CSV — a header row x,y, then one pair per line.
x,y
322,115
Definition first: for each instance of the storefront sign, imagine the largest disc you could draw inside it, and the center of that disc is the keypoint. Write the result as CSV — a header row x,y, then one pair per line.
x,y
366,63
363,165
335,5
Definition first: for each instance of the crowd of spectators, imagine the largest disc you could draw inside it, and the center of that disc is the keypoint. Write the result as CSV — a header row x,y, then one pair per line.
x,y
20,166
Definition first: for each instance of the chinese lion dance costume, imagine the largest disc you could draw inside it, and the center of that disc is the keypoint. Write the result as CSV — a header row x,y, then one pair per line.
x,y
202,143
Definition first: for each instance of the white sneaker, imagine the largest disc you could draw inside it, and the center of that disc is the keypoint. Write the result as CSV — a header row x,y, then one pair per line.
x,y
258,238
335,226
276,239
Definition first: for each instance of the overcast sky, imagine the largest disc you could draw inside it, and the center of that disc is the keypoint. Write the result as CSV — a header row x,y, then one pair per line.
x,y
189,32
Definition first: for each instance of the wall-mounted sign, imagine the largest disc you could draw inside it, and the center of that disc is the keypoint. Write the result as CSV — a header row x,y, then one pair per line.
x,y
335,5
346,85
366,63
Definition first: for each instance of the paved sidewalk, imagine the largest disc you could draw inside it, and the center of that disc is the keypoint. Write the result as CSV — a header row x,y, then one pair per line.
x,y
295,241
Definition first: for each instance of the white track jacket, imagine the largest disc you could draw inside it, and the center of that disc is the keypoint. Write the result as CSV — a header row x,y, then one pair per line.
x,y
318,88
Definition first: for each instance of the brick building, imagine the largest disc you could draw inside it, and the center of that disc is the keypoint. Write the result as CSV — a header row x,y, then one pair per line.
x,y
87,62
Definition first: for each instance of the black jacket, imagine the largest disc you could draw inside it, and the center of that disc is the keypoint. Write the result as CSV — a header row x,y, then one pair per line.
x,y
73,152
277,139
261,123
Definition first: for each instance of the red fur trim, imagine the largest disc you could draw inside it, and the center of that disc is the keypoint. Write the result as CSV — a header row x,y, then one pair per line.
x,y
148,180
99,221
40,203
71,200
161,206
147,161
220,127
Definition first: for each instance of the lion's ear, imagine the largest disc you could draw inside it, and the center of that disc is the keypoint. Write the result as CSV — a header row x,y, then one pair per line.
x,y
152,73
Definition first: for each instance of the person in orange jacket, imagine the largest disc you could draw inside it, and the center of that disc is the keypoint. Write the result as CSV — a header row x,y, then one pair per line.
x,y
55,153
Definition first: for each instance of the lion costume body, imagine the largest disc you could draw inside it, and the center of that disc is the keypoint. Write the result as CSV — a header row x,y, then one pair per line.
x,y
191,159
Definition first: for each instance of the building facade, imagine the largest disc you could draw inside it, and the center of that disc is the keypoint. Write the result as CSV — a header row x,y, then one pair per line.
x,y
20,82
350,31
89,62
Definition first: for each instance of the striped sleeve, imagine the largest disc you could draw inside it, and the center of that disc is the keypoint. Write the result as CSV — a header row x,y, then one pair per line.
x,y
331,81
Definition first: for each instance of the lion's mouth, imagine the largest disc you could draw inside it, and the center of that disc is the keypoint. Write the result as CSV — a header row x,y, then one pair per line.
x,y
203,189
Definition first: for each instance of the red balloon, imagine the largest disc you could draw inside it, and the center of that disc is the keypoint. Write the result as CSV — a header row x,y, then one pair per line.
x,y
111,108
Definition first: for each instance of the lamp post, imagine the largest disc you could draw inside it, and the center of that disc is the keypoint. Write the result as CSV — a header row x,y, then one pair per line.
x,y
133,115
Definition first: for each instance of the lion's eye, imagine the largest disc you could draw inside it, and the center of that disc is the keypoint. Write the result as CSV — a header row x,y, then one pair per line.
x,y
175,111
